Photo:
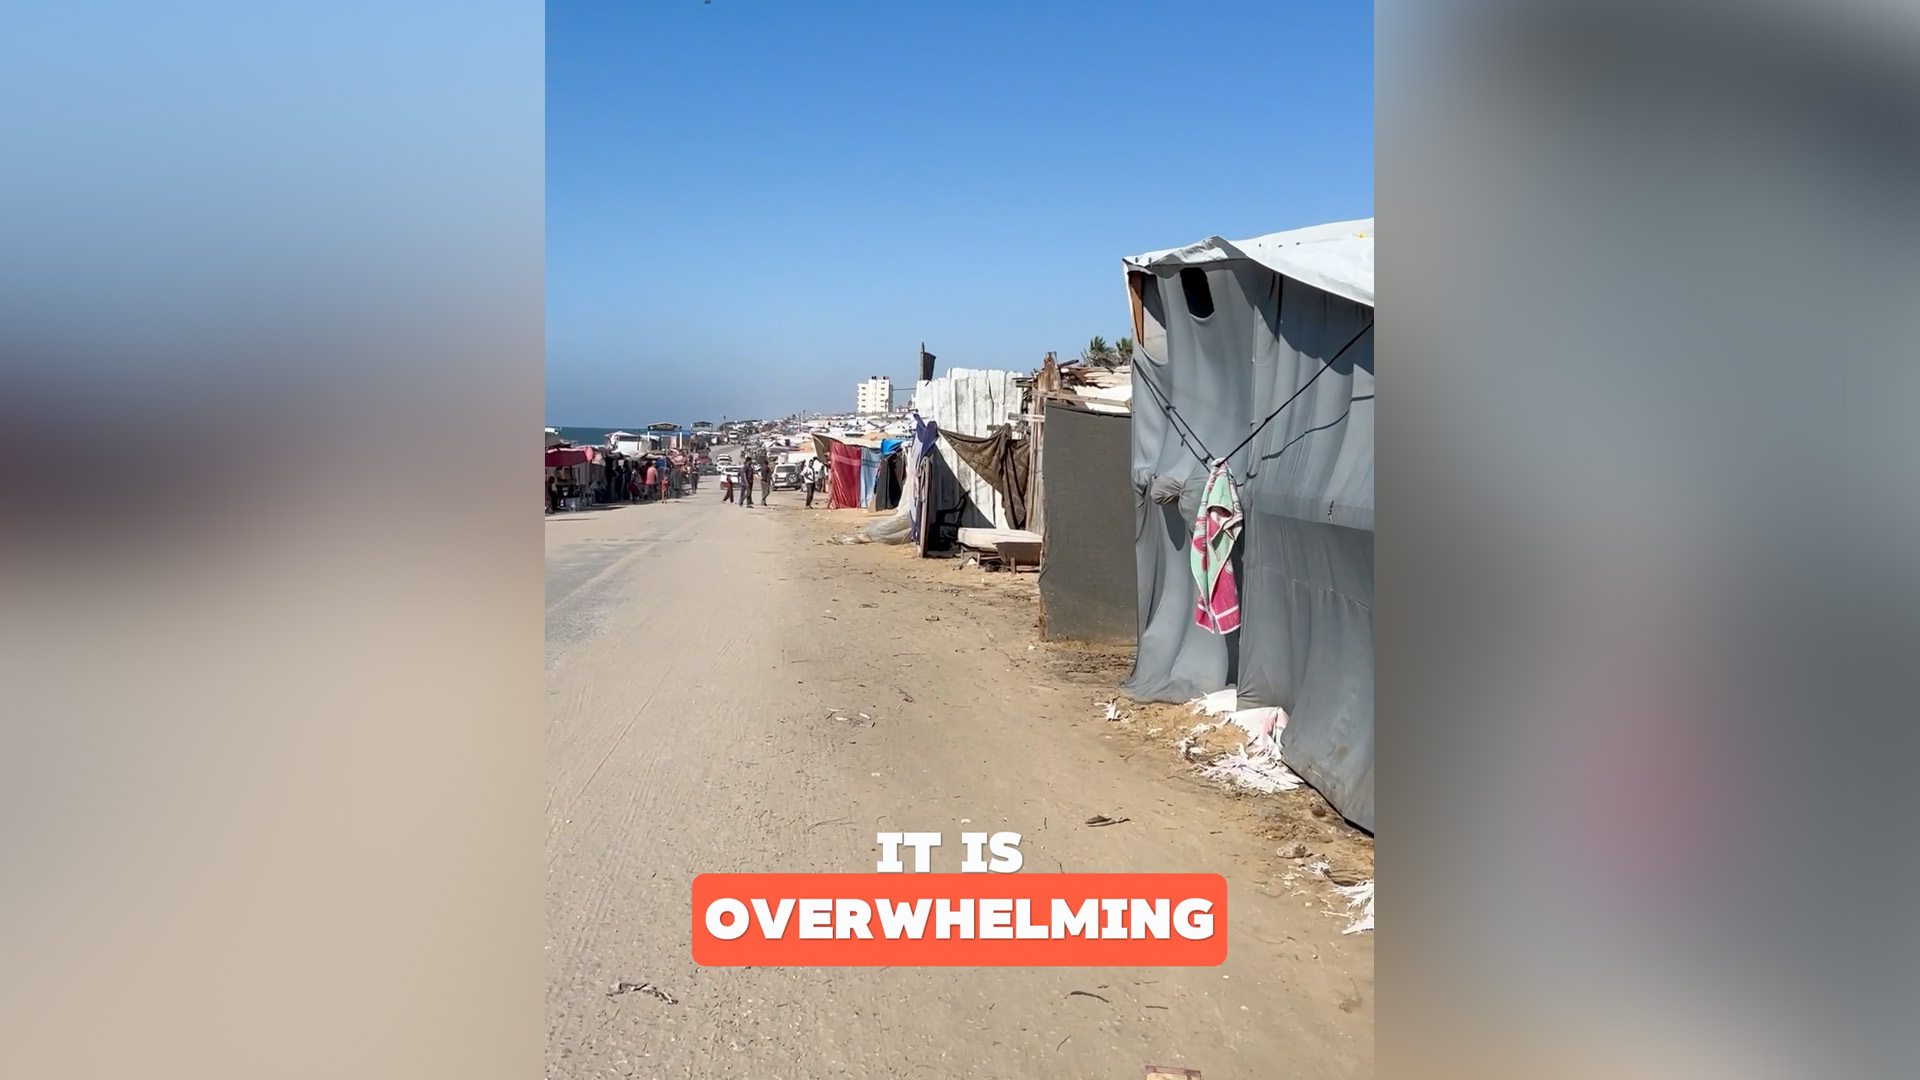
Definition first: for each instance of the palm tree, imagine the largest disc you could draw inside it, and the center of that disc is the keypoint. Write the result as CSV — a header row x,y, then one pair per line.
x,y
1096,351
1123,350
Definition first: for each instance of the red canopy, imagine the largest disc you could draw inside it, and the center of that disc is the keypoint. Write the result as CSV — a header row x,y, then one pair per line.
x,y
843,477
561,456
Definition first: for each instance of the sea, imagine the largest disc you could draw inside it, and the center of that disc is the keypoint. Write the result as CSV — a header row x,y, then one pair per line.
x,y
593,436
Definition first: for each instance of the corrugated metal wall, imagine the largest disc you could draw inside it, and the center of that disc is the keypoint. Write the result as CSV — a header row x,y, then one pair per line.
x,y
970,402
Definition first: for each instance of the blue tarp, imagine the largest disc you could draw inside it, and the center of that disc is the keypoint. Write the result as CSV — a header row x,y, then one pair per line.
x,y
869,474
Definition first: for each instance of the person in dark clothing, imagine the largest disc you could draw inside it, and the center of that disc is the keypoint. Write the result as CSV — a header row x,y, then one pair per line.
x,y
766,481
553,495
746,482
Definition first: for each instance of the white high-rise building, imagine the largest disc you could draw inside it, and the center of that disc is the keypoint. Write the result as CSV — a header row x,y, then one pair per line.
x,y
874,396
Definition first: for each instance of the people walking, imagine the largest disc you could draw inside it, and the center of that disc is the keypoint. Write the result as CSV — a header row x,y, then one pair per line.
x,y
766,481
726,486
810,478
746,482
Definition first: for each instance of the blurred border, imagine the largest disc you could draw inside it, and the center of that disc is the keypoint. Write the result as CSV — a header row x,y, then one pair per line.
x,y
1646,337
271,324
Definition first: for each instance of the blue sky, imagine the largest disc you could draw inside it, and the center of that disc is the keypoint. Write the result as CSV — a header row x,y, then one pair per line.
x,y
753,205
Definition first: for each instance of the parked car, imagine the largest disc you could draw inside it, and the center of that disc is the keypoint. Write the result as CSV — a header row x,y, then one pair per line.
x,y
786,478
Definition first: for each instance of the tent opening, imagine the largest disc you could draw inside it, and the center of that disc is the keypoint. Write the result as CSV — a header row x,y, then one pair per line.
x,y
1193,281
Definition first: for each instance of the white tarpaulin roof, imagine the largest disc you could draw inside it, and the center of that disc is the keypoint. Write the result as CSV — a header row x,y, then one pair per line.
x,y
1336,258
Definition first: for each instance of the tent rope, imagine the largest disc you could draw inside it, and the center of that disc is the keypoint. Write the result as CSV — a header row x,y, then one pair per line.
x,y
1332,360
1203,455
1178,422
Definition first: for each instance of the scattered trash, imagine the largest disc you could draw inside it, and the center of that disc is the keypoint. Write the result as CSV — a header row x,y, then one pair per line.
x,y
1264,773
1086,993
889,530
1259,724
1295,850
645,988
1100,820
1257,765
1358,896
1220,701
1168,1072
933,618
1113,712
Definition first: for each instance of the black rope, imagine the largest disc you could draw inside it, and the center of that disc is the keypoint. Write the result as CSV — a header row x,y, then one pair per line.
x,y
1335,422
1178,422
1203,454
1332,360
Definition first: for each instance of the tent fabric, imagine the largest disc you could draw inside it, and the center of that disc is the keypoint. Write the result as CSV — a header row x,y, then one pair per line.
x,y
843,477
1087,570
1304,564
562,456
925,434
869,475
1002,461
965,401
1336,258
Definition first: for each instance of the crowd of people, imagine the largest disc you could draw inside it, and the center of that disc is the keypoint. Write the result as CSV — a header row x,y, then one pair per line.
x,y
634,480
655,478
737,483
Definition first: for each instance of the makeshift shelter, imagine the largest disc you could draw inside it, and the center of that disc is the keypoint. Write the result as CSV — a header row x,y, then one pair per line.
x,y
843,476
964,402
1087,568
1261,351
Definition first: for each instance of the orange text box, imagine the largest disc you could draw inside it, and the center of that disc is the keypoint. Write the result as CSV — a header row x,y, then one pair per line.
x,y
965,920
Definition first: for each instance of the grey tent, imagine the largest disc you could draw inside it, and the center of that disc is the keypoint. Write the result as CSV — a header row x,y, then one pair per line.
x,y
1228,332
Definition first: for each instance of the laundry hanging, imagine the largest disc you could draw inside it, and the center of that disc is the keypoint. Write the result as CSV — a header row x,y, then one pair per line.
x,y
1216,527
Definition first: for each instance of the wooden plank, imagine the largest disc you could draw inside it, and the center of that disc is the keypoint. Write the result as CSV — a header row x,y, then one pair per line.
x,y
990,539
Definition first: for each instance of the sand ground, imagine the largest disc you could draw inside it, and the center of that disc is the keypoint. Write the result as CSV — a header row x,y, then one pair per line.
x,y
707,668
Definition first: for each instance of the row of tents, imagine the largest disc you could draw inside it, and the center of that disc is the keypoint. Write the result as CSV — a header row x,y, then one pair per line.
x,y
1255,353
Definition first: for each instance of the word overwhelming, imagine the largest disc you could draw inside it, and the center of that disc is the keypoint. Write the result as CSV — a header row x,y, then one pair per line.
x,y
961,919
999,918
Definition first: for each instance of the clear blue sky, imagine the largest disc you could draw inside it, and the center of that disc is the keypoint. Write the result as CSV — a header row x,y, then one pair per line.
x,y
753,205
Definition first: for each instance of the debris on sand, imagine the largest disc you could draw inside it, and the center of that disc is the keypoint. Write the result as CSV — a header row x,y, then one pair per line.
x,y
1220,701
1361,897
1264,772
1101,820
1257,765
645,988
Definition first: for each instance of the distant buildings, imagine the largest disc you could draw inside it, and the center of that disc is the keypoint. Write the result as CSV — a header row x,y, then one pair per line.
x,y
874,396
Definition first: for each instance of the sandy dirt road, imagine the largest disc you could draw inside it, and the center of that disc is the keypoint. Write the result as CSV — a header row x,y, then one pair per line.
x,y
696,655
